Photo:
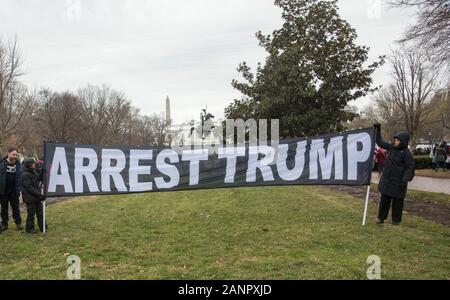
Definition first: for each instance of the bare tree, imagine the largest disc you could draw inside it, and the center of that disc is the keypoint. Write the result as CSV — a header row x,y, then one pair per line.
x,y
118,110
160,127
385,110
94,115
58,115
131,137
432,30
444,105
437,124
94,118
27,136
146,133
14,97
412,89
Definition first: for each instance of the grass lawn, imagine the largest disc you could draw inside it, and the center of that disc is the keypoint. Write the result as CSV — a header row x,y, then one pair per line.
x,y
438,197
433,174
294,232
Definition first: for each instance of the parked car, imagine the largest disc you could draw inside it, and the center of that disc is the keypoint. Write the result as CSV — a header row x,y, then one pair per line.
x,y
448,157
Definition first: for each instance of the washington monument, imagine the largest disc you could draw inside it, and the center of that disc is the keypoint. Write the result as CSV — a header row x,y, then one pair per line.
x,y
168,119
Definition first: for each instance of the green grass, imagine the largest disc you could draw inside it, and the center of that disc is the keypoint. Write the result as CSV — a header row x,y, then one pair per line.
x,y
438,197
248,233
429,196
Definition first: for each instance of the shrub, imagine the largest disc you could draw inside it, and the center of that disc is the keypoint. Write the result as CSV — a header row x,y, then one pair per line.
x,y
423,162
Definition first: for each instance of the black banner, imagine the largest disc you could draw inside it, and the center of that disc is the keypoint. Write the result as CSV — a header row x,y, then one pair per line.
x,y
332,159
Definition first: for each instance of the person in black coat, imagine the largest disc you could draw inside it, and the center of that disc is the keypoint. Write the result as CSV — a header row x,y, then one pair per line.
x,y
9,188
441,157
398,171
31,195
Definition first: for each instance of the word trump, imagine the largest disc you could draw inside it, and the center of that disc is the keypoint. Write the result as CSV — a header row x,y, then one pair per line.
x,y
343,159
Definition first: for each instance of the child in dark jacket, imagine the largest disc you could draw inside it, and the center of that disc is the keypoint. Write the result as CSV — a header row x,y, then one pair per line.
x,y
31,195
397,172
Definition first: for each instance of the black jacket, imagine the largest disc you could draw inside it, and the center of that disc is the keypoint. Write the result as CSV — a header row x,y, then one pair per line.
x,y
3,165
398,167
441,153
29,185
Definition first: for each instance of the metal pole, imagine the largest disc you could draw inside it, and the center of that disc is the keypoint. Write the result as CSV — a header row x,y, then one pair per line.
x,y
43,216
45,189
366,206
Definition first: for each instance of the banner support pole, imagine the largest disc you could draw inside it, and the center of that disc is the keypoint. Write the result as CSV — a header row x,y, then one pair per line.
x,y
43,216
44,203
366,206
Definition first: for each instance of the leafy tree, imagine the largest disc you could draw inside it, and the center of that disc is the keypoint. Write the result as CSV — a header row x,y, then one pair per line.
x,y
312,71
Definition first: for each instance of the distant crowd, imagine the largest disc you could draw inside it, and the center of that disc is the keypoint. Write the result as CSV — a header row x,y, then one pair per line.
x,y
439,154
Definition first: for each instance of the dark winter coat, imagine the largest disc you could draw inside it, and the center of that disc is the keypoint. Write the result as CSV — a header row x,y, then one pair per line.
x,y
29,185
398,167
3,165
441,153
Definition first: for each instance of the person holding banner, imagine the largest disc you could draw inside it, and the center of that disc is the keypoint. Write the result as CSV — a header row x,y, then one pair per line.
x,y
32,196
397,172
9,188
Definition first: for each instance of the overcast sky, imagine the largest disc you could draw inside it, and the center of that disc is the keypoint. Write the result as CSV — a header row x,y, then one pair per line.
x,y
186,49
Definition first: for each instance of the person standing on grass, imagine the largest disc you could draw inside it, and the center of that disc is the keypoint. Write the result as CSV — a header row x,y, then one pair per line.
x,y
447,154
380,157
32,195
398,171
9,188
441,157
433,156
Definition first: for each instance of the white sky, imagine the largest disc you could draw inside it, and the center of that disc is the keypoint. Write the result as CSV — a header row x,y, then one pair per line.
x,y
187,49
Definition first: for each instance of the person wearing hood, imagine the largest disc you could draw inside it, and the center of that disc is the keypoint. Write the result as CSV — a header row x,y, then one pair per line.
x,y
398,171
31,195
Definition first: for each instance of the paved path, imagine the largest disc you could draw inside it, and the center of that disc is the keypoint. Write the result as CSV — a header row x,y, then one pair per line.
x,y
426,184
